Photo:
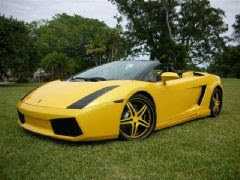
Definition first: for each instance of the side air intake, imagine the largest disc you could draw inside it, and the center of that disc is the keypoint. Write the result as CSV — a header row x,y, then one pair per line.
x,y
202,94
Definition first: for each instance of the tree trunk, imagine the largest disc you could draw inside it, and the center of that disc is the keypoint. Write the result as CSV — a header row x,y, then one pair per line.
x,y
152,56
167,20
112,52
96,60
238,73
116,52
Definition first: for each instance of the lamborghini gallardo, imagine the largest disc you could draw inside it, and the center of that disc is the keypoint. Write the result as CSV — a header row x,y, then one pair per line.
x,y
122,99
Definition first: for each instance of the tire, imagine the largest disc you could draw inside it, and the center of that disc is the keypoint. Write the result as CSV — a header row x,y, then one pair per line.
x,y
216,103
138,118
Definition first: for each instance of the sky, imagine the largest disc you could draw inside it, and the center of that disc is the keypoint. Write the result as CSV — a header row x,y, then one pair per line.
x,y
29,10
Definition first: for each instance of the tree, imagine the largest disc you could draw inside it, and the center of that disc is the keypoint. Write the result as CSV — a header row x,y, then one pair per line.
x,y
161,29
84,40
17,54
147,26
227,63
199,28
97,48
57,65
70,35
236,27
117,46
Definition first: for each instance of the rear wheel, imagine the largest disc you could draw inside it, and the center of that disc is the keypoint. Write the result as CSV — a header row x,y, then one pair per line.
x,y
138,118
216,102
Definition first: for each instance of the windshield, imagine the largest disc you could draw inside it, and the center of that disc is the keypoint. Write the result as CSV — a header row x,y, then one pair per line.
x,y
118,70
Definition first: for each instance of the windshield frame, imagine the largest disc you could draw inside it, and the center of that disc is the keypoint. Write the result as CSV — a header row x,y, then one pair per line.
x,y
139,76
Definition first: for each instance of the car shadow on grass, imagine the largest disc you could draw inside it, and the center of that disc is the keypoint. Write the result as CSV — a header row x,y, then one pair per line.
x,y
191,122
70,143
110,141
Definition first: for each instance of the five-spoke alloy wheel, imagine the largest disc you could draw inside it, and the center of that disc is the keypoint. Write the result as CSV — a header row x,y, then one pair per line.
x,y
216,102
138,118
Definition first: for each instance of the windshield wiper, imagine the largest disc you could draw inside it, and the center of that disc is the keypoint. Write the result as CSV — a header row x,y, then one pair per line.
x,y
97,79
94,79
79,78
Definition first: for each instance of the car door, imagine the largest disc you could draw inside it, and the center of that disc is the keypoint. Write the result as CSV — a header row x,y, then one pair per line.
x,y
176,100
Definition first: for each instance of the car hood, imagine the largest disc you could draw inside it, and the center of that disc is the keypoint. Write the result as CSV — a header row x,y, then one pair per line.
x,y
62,94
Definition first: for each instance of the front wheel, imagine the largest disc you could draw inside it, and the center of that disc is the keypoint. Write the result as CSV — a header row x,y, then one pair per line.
x,y
138,118
216,102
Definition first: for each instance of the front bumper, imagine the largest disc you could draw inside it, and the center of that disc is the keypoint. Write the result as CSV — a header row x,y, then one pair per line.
x,y
95,123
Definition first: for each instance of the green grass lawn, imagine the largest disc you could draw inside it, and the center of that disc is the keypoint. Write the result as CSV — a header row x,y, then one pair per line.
x,y
203,149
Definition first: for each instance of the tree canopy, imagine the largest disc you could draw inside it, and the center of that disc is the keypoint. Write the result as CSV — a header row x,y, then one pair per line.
x,y
227,63
177,33
174,32
200,28
61,46
86,41
236,27
16,49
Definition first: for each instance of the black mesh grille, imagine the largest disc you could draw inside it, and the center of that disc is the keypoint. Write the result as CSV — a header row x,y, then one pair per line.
x,y
66,127
21,117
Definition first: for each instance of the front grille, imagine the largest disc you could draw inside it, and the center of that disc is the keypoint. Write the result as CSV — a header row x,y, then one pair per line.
x,y
66,127
21,117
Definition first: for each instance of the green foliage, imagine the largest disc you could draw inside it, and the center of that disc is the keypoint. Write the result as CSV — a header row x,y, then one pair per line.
x,y
68,34
81,39
199,28
73,42
174,55
236,27
227,64
58,65
17,54
165,27
177,33
96,48
147,26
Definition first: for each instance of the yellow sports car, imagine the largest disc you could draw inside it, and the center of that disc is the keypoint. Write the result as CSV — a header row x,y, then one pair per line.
x,y
126,99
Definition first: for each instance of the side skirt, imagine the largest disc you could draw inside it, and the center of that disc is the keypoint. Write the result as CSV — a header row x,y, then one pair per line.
x,y
182,119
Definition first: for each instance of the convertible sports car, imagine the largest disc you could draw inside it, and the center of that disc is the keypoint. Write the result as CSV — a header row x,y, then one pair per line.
x,y
126,99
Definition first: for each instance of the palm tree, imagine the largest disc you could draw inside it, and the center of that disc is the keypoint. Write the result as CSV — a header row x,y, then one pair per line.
x,y
97,48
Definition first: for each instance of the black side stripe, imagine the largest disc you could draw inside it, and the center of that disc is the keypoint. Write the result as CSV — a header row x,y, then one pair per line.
x,y
88,99
202,94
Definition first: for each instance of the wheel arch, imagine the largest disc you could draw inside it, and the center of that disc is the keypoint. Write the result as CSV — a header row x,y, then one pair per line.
x,y
147,94
210,91
150,97
220,88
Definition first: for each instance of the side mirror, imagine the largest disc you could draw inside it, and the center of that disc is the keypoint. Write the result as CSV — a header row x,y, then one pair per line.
x,y
167,76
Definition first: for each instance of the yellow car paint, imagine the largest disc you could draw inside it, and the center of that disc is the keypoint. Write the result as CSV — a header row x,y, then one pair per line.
x,y
176,101
167,76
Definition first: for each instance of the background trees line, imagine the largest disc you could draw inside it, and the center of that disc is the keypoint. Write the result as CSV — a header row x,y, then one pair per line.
x,y
61,46
227,62
177,34
183,34
81,43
